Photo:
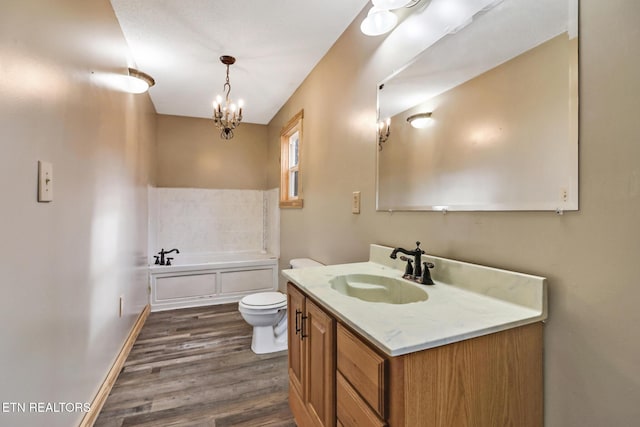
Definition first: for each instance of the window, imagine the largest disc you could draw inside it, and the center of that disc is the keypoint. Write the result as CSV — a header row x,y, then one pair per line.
x,y
290,142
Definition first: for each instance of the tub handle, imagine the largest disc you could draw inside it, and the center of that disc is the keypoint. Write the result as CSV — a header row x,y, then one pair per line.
x,y
298,312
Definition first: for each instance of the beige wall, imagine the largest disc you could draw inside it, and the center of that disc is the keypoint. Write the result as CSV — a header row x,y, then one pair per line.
x,y
65,264
592,375
190,153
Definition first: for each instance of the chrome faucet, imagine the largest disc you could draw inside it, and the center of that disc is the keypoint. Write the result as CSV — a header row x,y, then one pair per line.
x,y
160,260
419,273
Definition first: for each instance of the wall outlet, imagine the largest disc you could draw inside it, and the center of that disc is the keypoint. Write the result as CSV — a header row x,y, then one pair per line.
x,y
121,305
564,195
355,203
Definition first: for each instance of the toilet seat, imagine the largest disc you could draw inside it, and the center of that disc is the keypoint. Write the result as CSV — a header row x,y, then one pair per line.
x,y
264,300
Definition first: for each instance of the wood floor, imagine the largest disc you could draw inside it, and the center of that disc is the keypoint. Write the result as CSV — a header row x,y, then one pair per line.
x,y
194,367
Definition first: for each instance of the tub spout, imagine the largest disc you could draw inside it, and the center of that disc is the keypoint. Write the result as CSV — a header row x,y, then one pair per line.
x,y
162,253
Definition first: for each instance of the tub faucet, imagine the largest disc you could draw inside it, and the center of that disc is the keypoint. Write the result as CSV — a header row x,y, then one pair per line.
x,y
162,253
417,274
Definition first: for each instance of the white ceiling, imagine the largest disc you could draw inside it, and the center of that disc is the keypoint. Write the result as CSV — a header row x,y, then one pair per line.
x,y
276,44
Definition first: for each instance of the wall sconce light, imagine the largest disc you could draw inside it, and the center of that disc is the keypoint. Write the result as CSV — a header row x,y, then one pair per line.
x,y
139,82
384,130
421,120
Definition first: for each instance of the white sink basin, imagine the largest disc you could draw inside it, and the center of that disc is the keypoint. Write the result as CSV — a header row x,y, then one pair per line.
x,y
373,288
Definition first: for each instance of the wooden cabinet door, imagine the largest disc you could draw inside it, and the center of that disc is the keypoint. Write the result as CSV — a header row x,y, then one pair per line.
x,y
295,311
320,374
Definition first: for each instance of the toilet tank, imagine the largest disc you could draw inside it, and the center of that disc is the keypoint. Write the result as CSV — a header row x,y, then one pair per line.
x,y
304,263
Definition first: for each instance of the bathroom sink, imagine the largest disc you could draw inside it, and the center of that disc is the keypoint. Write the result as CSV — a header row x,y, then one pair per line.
x,y
372,288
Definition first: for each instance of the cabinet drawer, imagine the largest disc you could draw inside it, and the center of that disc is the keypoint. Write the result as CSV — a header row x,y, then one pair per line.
x,y
352,411
363,368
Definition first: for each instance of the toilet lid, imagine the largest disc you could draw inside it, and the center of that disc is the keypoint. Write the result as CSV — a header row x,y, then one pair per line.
x,y
264,299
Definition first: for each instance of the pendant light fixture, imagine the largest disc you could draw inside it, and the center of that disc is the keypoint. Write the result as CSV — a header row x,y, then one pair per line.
x,y
227,116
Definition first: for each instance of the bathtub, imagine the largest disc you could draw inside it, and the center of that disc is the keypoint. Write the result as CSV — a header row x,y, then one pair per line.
x,y
206,279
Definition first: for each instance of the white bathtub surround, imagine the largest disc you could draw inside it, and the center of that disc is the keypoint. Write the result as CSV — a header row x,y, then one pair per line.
x,y
272,221
197,220
466,301
197,280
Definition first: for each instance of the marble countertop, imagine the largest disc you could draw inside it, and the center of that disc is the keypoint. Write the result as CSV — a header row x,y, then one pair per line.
x,y
466,301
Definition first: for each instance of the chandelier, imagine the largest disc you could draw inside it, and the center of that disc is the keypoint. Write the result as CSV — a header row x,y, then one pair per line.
x,y
228,116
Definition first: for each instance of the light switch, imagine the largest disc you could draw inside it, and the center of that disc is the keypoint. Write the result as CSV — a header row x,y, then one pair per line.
x,y
355,205
45,181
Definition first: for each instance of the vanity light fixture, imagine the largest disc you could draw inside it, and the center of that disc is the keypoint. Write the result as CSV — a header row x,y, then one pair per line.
x,y
227,117
421,120
384,130
138,81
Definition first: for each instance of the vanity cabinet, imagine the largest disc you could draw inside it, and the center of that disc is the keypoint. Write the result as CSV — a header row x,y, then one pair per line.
x,y
312,384
486,381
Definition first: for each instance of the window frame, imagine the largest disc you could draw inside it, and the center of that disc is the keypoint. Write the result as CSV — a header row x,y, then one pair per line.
x,y
293,125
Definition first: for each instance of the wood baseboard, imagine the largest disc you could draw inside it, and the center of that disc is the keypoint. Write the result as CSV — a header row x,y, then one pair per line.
x,y
98,401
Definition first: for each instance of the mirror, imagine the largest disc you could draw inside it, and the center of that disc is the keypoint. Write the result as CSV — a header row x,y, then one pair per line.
x,y
502,90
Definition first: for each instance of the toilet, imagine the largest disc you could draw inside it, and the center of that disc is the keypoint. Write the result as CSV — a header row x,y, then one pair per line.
x,y
267,313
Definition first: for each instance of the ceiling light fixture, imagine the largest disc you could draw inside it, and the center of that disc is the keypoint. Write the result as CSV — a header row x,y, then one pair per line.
x,y
138,81
378,21
227,117
391,4
421,120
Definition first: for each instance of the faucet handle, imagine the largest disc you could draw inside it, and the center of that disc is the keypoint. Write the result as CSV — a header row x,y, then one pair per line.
x,y
169,260
157,259
426,276
408,271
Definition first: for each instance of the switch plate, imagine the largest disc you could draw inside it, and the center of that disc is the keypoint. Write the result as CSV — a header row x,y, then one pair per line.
x,y
45,181
355,203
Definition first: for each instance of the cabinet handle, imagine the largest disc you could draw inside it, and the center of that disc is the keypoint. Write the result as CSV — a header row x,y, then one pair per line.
x,y
298,312
302,334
